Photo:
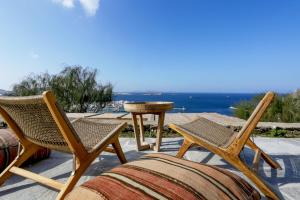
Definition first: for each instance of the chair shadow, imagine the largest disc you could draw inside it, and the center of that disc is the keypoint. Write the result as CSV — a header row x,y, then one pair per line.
x,y
105,162
22,187
171,146
40,166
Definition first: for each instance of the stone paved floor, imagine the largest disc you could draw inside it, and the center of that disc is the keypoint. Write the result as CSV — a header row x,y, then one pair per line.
x,y
58,166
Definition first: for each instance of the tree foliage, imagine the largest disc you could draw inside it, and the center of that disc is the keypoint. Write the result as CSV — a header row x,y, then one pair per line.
x,y
32,85
284,108
75,88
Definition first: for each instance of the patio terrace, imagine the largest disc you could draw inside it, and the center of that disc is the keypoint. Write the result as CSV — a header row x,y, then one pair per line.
x,y
59,165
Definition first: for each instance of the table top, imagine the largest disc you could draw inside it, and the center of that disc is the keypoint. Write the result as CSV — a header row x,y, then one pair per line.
x,y
148,107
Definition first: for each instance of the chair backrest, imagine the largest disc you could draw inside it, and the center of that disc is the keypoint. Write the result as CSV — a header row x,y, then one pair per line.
x,y
253,120
36,122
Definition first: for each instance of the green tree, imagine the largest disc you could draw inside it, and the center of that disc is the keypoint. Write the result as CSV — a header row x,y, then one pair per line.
x,y
32,85
75,88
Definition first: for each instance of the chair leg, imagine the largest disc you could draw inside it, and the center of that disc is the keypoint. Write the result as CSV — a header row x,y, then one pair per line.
x,y
259,182
265,156
184,147
118,149
73,179
83,165
24,155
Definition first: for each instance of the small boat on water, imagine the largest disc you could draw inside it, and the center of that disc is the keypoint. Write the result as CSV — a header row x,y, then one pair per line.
x,y
153,94
183,108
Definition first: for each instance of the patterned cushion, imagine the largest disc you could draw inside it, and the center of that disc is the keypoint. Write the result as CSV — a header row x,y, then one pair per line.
x,y
160,176
9,150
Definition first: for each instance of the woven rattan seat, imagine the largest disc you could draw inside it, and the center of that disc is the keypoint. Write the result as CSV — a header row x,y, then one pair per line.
x,y
209,131
229,144
91,132
38,121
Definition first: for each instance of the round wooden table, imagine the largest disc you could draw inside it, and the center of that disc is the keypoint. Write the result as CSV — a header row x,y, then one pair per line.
x,y
140,108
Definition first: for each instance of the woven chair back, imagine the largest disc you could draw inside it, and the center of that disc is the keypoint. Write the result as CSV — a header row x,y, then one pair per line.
x,y
34,119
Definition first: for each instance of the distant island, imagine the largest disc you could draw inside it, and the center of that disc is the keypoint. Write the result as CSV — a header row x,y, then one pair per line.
x,y
4,92
143,93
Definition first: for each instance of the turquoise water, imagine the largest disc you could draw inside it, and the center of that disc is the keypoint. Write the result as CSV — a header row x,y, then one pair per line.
x,y
191,102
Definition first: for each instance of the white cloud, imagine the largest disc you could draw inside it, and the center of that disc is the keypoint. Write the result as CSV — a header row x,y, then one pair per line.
x,y
90,6
34,55
65,3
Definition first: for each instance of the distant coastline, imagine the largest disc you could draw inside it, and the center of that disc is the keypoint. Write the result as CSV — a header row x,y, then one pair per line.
x,y
4,92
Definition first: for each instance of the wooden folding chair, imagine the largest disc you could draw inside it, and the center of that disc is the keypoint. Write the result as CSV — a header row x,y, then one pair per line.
x,y
229,144
38,121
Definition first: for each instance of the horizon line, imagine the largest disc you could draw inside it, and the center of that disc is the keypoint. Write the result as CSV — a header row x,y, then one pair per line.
x,y
190,92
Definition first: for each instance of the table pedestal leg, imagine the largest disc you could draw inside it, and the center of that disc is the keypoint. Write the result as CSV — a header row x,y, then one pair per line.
x,y
142,130
138,134
160,128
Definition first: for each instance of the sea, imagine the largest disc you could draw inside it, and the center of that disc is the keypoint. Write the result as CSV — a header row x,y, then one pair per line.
x,y
223,103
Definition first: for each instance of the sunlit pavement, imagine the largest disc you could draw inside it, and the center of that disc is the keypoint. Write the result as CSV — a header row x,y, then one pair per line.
x,y
59,166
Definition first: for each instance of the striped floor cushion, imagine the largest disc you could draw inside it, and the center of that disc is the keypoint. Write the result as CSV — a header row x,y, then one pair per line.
x,y
160,176
9,150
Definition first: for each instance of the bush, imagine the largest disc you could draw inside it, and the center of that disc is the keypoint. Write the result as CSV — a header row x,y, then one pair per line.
x,y
284,108
277,133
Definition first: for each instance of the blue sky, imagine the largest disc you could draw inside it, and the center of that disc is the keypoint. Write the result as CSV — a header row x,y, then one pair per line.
x,y
156,45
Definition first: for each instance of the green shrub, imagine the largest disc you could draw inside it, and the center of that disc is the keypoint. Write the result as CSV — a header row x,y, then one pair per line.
x,y
284,108
277,133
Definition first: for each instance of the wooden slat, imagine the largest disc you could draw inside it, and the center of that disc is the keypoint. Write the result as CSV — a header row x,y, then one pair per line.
x,y
110,150
118,149
38,178
74,145
256,160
